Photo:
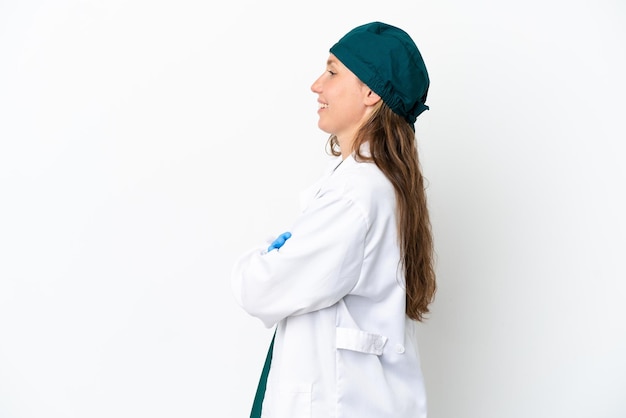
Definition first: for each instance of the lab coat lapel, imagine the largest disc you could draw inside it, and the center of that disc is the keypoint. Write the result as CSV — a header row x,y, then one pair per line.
x,y
308,194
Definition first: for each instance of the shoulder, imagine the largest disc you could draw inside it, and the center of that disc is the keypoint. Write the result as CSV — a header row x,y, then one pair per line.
x,y
363,183
363,176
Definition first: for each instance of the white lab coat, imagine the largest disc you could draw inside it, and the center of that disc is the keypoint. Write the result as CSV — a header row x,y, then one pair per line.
x,y
344,346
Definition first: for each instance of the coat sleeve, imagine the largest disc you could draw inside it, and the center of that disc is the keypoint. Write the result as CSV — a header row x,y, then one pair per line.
x,y
314,269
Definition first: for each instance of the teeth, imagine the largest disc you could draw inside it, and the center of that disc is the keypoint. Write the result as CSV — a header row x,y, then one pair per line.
x,y
323,105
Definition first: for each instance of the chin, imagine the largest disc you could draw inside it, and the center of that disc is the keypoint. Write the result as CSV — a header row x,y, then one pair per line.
x,y
324,128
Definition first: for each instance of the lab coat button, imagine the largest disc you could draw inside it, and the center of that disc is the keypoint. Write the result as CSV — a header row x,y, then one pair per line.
x,y
379,343
399,348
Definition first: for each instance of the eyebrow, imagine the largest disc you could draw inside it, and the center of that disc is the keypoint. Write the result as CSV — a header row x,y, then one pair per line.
x,y
331,61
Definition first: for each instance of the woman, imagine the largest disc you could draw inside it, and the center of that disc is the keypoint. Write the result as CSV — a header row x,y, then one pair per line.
x,y
348,283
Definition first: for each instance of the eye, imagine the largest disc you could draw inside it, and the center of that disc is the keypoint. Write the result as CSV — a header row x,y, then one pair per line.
x,y
331,72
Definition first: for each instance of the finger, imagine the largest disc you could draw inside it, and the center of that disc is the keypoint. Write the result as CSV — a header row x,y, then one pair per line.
x,y
279,241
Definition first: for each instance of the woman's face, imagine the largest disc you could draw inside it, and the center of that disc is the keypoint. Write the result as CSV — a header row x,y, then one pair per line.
x,y
342,100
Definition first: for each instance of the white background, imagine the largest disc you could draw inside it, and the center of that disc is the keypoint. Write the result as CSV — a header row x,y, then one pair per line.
x,y
146,144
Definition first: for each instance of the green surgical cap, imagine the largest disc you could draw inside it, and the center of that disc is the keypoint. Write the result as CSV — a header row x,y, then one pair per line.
x,y
387,60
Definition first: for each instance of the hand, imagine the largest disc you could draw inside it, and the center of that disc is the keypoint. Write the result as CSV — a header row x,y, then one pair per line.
x,y
278,242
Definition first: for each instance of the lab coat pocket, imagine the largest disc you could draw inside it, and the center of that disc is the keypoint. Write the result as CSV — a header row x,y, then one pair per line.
x,y
294,400
361,341
361,389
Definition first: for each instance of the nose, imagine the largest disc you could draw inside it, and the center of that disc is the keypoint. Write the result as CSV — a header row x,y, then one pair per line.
x,y
316,87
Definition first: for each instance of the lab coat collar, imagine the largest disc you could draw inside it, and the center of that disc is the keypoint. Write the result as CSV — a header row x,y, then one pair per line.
x,y
351,159
308,194
335,164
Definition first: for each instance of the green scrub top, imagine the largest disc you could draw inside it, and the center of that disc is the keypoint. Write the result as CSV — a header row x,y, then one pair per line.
x,y
260,390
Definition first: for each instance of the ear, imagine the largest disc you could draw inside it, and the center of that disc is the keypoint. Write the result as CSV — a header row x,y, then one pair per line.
x,y
371,98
